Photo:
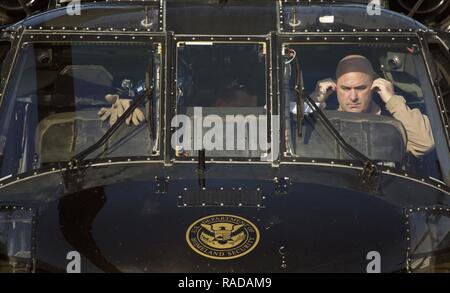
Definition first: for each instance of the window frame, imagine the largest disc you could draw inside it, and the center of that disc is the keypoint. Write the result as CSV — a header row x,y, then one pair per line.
x,y
42,37
353,39
269,88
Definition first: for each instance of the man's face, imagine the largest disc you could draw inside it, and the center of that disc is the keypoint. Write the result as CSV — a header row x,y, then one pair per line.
x,y
353,92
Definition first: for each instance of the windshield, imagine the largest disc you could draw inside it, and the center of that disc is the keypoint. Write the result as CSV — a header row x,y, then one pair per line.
x,y
222,88
377,96
63,97
106,17
298,17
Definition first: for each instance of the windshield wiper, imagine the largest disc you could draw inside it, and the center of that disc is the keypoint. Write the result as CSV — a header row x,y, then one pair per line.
x,y
369,167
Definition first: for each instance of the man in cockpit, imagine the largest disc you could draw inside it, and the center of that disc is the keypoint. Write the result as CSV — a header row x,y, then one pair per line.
x,y
355,83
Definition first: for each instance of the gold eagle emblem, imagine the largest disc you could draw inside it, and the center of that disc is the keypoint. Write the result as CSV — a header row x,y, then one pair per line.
x,y
222,236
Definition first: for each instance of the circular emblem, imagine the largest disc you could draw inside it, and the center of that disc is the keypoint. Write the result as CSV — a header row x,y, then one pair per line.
x,y
222,236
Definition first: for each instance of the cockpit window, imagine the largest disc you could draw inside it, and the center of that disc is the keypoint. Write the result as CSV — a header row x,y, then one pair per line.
x,y
64,96
377,97
219,80
138,16
298,17
221,74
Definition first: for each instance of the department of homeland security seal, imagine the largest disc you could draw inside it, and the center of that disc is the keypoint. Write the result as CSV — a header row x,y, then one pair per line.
x,y
222,236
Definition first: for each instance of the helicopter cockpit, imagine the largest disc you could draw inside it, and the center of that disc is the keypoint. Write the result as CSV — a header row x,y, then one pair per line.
x,y
381,137
62,67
